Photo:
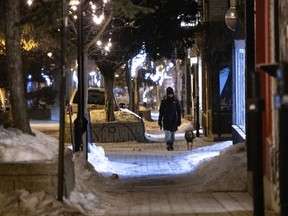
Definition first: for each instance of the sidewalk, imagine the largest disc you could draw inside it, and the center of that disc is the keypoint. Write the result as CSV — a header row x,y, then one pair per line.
x,y
168,194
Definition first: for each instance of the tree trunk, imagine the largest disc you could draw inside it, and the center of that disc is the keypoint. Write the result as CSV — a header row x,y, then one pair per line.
x,y
109,98
14,67
136,95
128,82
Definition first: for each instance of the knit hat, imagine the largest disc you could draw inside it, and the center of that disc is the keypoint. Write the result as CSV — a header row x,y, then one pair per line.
x,y
169,90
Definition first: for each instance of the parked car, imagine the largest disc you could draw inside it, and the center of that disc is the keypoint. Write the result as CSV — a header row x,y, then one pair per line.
x,y
96,100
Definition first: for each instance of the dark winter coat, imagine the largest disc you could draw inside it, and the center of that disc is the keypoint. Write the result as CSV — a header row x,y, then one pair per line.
x,y
169,113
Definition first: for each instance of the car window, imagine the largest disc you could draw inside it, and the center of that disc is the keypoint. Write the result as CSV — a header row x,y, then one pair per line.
x,y
94,97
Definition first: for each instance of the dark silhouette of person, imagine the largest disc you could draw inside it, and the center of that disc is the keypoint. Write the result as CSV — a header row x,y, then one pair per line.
x,y
169,117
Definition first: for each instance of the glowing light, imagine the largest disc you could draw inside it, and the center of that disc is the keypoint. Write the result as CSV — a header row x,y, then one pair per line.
x,y
109,44
28,44
74,7
99,43
49,54
193,60
75,77
98,19
137,62
93,6
48,81
74,2
107,48
92,73
29,2
2,43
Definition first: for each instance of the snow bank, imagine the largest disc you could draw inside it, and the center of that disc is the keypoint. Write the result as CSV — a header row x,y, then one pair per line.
x,y
16,146
34,204
226,172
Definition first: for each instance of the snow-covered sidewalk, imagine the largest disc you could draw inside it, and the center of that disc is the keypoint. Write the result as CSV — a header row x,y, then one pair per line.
x,y
103,185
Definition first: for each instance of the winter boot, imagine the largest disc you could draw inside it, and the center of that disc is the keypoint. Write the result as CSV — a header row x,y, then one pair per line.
x,y
171,146
168,146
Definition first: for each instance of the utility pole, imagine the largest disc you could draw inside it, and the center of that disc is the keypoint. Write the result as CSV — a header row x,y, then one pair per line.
x,y
62,101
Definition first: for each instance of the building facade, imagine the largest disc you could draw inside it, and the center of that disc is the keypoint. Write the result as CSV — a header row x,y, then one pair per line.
x,y
215,48
253,59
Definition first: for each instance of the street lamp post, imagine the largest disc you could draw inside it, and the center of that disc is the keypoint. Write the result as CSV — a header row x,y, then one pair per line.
x,y
80,121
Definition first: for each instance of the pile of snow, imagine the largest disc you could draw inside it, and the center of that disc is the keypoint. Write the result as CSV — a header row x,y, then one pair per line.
x,y
226,172
34,204
102,165
16,146
124,115
190,160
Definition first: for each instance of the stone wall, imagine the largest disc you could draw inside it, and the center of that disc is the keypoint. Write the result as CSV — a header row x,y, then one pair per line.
x,y
118,132
113,132
35,177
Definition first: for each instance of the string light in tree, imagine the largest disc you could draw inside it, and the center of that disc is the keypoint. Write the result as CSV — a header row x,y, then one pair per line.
x,y
98,16
106,48
97,12
29,2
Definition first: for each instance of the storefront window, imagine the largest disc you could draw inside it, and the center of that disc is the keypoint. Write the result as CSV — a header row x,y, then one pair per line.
x,y
239,85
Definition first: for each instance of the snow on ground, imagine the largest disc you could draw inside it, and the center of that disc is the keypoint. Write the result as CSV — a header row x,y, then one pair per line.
x,y
226,172
200,169
15,146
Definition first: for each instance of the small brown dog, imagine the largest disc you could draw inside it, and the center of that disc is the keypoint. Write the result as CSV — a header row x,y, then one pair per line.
x,y
189,136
